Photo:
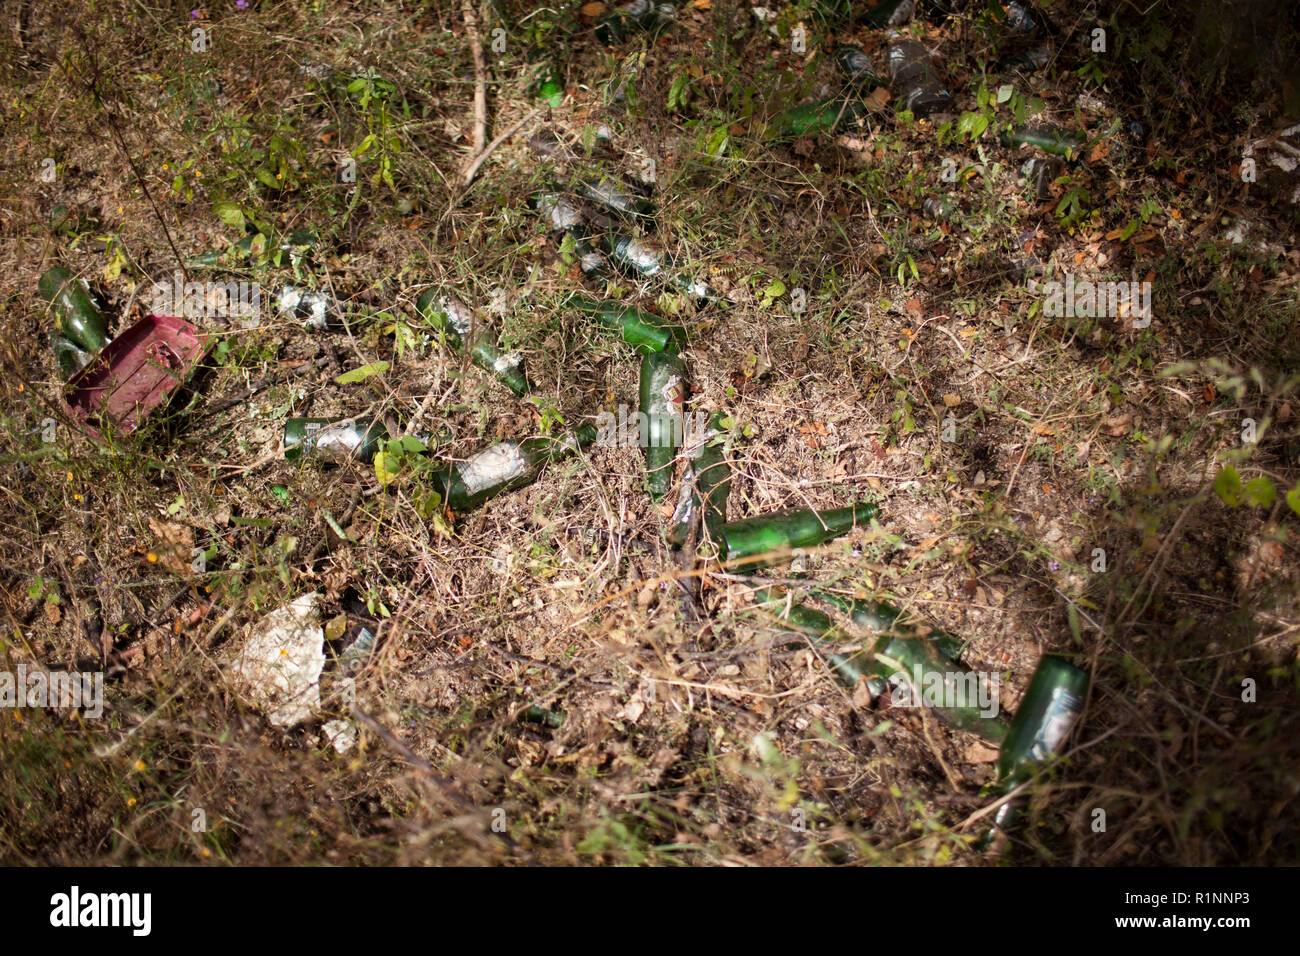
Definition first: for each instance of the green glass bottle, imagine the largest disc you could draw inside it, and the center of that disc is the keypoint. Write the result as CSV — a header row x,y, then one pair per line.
x,y
663,397
1051,706
314,310
75,316
913,81
456,322
605,193
549,89
70,357
926,676
504,466
768,539
706,486
889,13
941,208
333,440
1050,139
295,244
633,16
1031,60
848,668
540,715
642,257
1037,175
857,66
642,329
879,617
560,213
920,666
821,116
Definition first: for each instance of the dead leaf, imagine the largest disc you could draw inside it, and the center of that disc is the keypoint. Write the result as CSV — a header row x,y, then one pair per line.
x,y
977,752
173,545
592,10
1044,430
952,399
1117,425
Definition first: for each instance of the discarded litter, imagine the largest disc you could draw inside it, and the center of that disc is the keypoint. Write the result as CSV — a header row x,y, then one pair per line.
x,y
333,440
941,208
456,321
1050,139
663,394
918,669
71,358
633,16
540,715
342,734
76,318
640,256
1037,175
295,244
857,66
605,193
505,466
913,81
642,329
134,374
278,667
1052,704
769,539
705,486
890,13
315,310
562,215
821,116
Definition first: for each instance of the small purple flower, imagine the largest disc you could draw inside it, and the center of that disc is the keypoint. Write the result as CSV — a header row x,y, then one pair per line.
x,y
1054,566
194,14
241,4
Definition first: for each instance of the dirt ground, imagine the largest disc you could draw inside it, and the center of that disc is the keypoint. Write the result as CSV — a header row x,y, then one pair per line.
x,y
1121,494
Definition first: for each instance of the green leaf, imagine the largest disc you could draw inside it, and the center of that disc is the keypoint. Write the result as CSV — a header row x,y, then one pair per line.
x,y
1072,618
266,179
1004,92
412,445
1227,485
357,85
428,505
717,143
364,146
387,467
363,373
230,214
1293,499
1259,491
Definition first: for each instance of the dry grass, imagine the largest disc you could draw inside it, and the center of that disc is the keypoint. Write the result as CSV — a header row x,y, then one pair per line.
x,y
692,732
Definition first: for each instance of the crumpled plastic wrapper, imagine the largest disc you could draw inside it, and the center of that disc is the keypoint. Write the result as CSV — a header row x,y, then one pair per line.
x,y
278,669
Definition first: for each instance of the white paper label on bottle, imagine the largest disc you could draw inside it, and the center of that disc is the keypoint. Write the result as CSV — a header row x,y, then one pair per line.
x,y
459,316
505,363
642,255
492,466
